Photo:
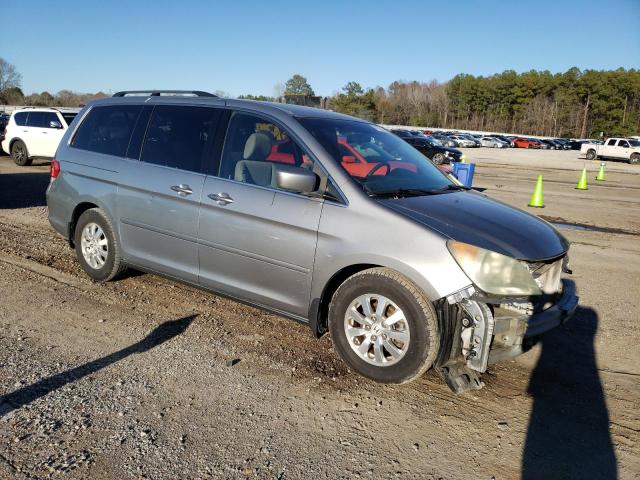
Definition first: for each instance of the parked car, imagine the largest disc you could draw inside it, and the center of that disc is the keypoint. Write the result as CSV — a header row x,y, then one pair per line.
x,y
551,144
407,269
476,142
502,138
463,141
492,142
614,149
35,132
521,142
446,141
565,143
4,119
543,145
431,148
576,144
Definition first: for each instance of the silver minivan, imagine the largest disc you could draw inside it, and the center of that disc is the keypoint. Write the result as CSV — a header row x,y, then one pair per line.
x,y
316,216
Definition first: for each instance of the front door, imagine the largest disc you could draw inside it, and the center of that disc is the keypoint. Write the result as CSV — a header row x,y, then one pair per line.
x,y
257,242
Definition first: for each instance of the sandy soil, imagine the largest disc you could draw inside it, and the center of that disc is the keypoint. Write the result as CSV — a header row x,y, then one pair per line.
x,y
146,378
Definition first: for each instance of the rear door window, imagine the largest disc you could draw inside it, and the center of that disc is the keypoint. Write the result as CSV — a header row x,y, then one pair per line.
x,y
36,119
181,136
107,129
611,142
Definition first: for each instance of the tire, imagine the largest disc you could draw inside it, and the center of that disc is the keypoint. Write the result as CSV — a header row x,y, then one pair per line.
x,y
106,262
634,158
416,321
438,159
591,154
20,154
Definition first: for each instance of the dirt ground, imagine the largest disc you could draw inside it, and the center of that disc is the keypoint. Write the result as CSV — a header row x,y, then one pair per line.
x,y
147,378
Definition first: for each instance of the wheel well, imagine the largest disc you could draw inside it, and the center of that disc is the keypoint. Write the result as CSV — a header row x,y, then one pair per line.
x,y
14,140
79,210
320,307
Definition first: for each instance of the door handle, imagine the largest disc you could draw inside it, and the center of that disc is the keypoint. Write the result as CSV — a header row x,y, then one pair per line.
x,y
221,198
182,189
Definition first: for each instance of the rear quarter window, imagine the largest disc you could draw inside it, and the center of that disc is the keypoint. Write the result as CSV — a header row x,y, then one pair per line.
x,y
21,118
107,129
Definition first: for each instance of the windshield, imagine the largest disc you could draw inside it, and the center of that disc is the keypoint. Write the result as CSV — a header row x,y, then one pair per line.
x,y
435,141
68,117
634,143
379,161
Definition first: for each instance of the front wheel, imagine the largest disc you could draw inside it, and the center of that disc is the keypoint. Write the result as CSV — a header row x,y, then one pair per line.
x,y
97,248
383,326
438,158
591,154
20,154
634,158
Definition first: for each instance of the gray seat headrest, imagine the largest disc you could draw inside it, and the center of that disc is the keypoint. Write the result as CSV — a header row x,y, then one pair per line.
x,y
255,173
257,147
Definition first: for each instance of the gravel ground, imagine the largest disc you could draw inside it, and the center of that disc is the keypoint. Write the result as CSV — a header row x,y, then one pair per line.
x,y
147,378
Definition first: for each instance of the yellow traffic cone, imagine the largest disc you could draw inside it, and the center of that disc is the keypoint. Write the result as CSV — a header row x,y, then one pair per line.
x,y
537,199
600,175
582,183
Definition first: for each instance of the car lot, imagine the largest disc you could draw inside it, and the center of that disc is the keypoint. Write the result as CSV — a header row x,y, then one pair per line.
x,y
148,378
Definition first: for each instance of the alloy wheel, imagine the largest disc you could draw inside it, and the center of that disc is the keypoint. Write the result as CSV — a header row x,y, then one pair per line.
x,y
94,245
377,329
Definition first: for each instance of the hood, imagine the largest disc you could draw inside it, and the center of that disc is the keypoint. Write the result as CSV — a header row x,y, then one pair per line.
x,y
453,151
474,218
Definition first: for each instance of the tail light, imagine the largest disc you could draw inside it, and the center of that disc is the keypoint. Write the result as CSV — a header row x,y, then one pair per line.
x,y
55,169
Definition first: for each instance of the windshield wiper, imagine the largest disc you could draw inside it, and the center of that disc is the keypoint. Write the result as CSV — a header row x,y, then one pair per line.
x,y
406,192
455,187
416,192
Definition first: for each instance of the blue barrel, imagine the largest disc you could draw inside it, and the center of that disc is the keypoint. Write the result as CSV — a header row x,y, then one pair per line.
x,y
464,172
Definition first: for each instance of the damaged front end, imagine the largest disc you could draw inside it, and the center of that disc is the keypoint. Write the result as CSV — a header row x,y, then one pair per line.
x,y
478,329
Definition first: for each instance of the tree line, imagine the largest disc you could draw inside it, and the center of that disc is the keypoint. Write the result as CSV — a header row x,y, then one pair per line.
x,y
571,104
574,103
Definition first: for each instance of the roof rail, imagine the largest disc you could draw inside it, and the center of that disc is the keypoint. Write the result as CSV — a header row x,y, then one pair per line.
x,y
157,93
59,109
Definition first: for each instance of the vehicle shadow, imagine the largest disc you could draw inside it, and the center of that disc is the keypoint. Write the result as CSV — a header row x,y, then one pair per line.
x,y
28,394
568,434
23,190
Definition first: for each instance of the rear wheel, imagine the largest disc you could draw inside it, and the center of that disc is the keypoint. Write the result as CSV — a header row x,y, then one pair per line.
x,y
591,154
634,158
20,154
383,326
97,249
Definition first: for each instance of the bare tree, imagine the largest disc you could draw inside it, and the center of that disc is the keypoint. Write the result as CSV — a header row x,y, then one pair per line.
x,y
9,76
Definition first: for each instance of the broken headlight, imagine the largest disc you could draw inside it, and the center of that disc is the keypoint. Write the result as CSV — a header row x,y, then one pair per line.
x,y
493,272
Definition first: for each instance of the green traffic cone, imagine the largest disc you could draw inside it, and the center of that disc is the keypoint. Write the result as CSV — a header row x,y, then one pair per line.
x,y
600,175
582,183
537,199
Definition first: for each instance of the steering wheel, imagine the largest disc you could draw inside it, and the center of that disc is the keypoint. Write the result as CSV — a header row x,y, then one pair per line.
x,y
378,167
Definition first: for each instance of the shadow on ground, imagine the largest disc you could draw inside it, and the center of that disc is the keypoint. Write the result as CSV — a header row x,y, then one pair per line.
x,y
568,434
23,190
158,336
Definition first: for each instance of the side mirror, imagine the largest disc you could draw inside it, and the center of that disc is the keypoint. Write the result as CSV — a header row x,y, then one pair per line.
x,y
55,124
348,159
296,179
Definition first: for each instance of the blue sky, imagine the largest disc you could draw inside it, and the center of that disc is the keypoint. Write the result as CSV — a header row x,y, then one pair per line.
x,y
250,46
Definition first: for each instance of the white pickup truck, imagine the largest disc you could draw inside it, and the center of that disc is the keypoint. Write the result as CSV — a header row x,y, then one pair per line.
x,y
614,148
